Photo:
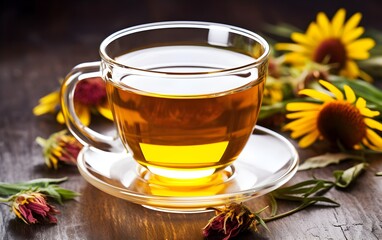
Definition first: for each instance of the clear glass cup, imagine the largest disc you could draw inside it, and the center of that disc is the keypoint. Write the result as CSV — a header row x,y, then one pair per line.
x,y
185,97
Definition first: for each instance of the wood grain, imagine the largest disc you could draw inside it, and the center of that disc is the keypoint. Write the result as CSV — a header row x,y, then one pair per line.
x,y
41,42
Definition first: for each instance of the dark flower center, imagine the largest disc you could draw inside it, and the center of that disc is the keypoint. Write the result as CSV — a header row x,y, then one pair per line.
x,y
91,91
331,51
341,122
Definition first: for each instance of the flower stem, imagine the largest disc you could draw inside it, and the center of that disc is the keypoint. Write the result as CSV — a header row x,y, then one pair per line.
x,y
301,207
10,189
41,141
5,200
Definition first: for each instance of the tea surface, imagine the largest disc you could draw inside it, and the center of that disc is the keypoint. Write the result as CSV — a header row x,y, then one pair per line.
x,y
174,133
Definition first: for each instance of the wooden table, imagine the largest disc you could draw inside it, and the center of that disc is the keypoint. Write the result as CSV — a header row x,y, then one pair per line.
x,y
41,41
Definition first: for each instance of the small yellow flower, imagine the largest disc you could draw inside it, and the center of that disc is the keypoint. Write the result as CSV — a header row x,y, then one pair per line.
x,y
334,42
89,94
273,92
336,117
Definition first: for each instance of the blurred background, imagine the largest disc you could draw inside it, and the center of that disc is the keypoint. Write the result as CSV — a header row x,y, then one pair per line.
x,y
87,22
41,40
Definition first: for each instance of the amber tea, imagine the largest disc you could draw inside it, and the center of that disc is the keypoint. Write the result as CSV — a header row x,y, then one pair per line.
x,y
182,127
185,98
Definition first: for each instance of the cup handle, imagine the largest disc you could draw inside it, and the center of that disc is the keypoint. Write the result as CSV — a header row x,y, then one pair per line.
x,y
83,133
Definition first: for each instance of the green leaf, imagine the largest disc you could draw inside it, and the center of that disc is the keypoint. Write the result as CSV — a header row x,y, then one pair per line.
x,y
274,205
44,181
11,189
369,92
51,192
59,194
326,159
269,110
307,193
260,220
304,187
7,189
47,186
310,190
345,177
66,194
373,65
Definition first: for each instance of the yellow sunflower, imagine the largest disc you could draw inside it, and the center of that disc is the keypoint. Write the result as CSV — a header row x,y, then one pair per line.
x,y
336,117
334,42
89,95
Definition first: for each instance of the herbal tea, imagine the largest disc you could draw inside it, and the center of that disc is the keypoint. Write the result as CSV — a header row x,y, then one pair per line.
x,y
185,127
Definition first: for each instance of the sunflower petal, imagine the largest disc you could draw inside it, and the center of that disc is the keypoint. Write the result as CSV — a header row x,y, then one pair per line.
x,y
338,22
313,32
349,93
374,138
361,55
60,118
333,89
351,70
323,24
290,47
302,39
105,111
299,122
361,44
302,106
51,97
352,23
361,103
83,113
369,145
44,108
298,127
302,131
316,95
295,58
373,124
47,104
309,139
352,35
301,114
368,113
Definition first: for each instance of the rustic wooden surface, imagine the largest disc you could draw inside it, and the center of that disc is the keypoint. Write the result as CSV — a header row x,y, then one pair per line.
x,y
40,41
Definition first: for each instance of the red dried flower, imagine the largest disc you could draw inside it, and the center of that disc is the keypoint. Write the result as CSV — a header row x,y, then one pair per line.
x,y
229,222
90,92
32,207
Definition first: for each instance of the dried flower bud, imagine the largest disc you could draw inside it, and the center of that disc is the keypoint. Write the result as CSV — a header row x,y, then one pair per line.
x,y
229,222
90,91
59,148
32,207
312,76
274,68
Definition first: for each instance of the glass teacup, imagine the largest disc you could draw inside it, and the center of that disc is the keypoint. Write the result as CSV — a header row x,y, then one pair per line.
x,y
185,96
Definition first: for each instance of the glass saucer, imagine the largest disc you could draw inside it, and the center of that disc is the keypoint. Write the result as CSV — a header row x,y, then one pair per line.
x,y
267,162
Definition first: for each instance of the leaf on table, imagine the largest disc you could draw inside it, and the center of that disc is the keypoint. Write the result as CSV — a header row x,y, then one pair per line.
x,y
309,190
47,186
306,193
345,177
326,159
44,181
